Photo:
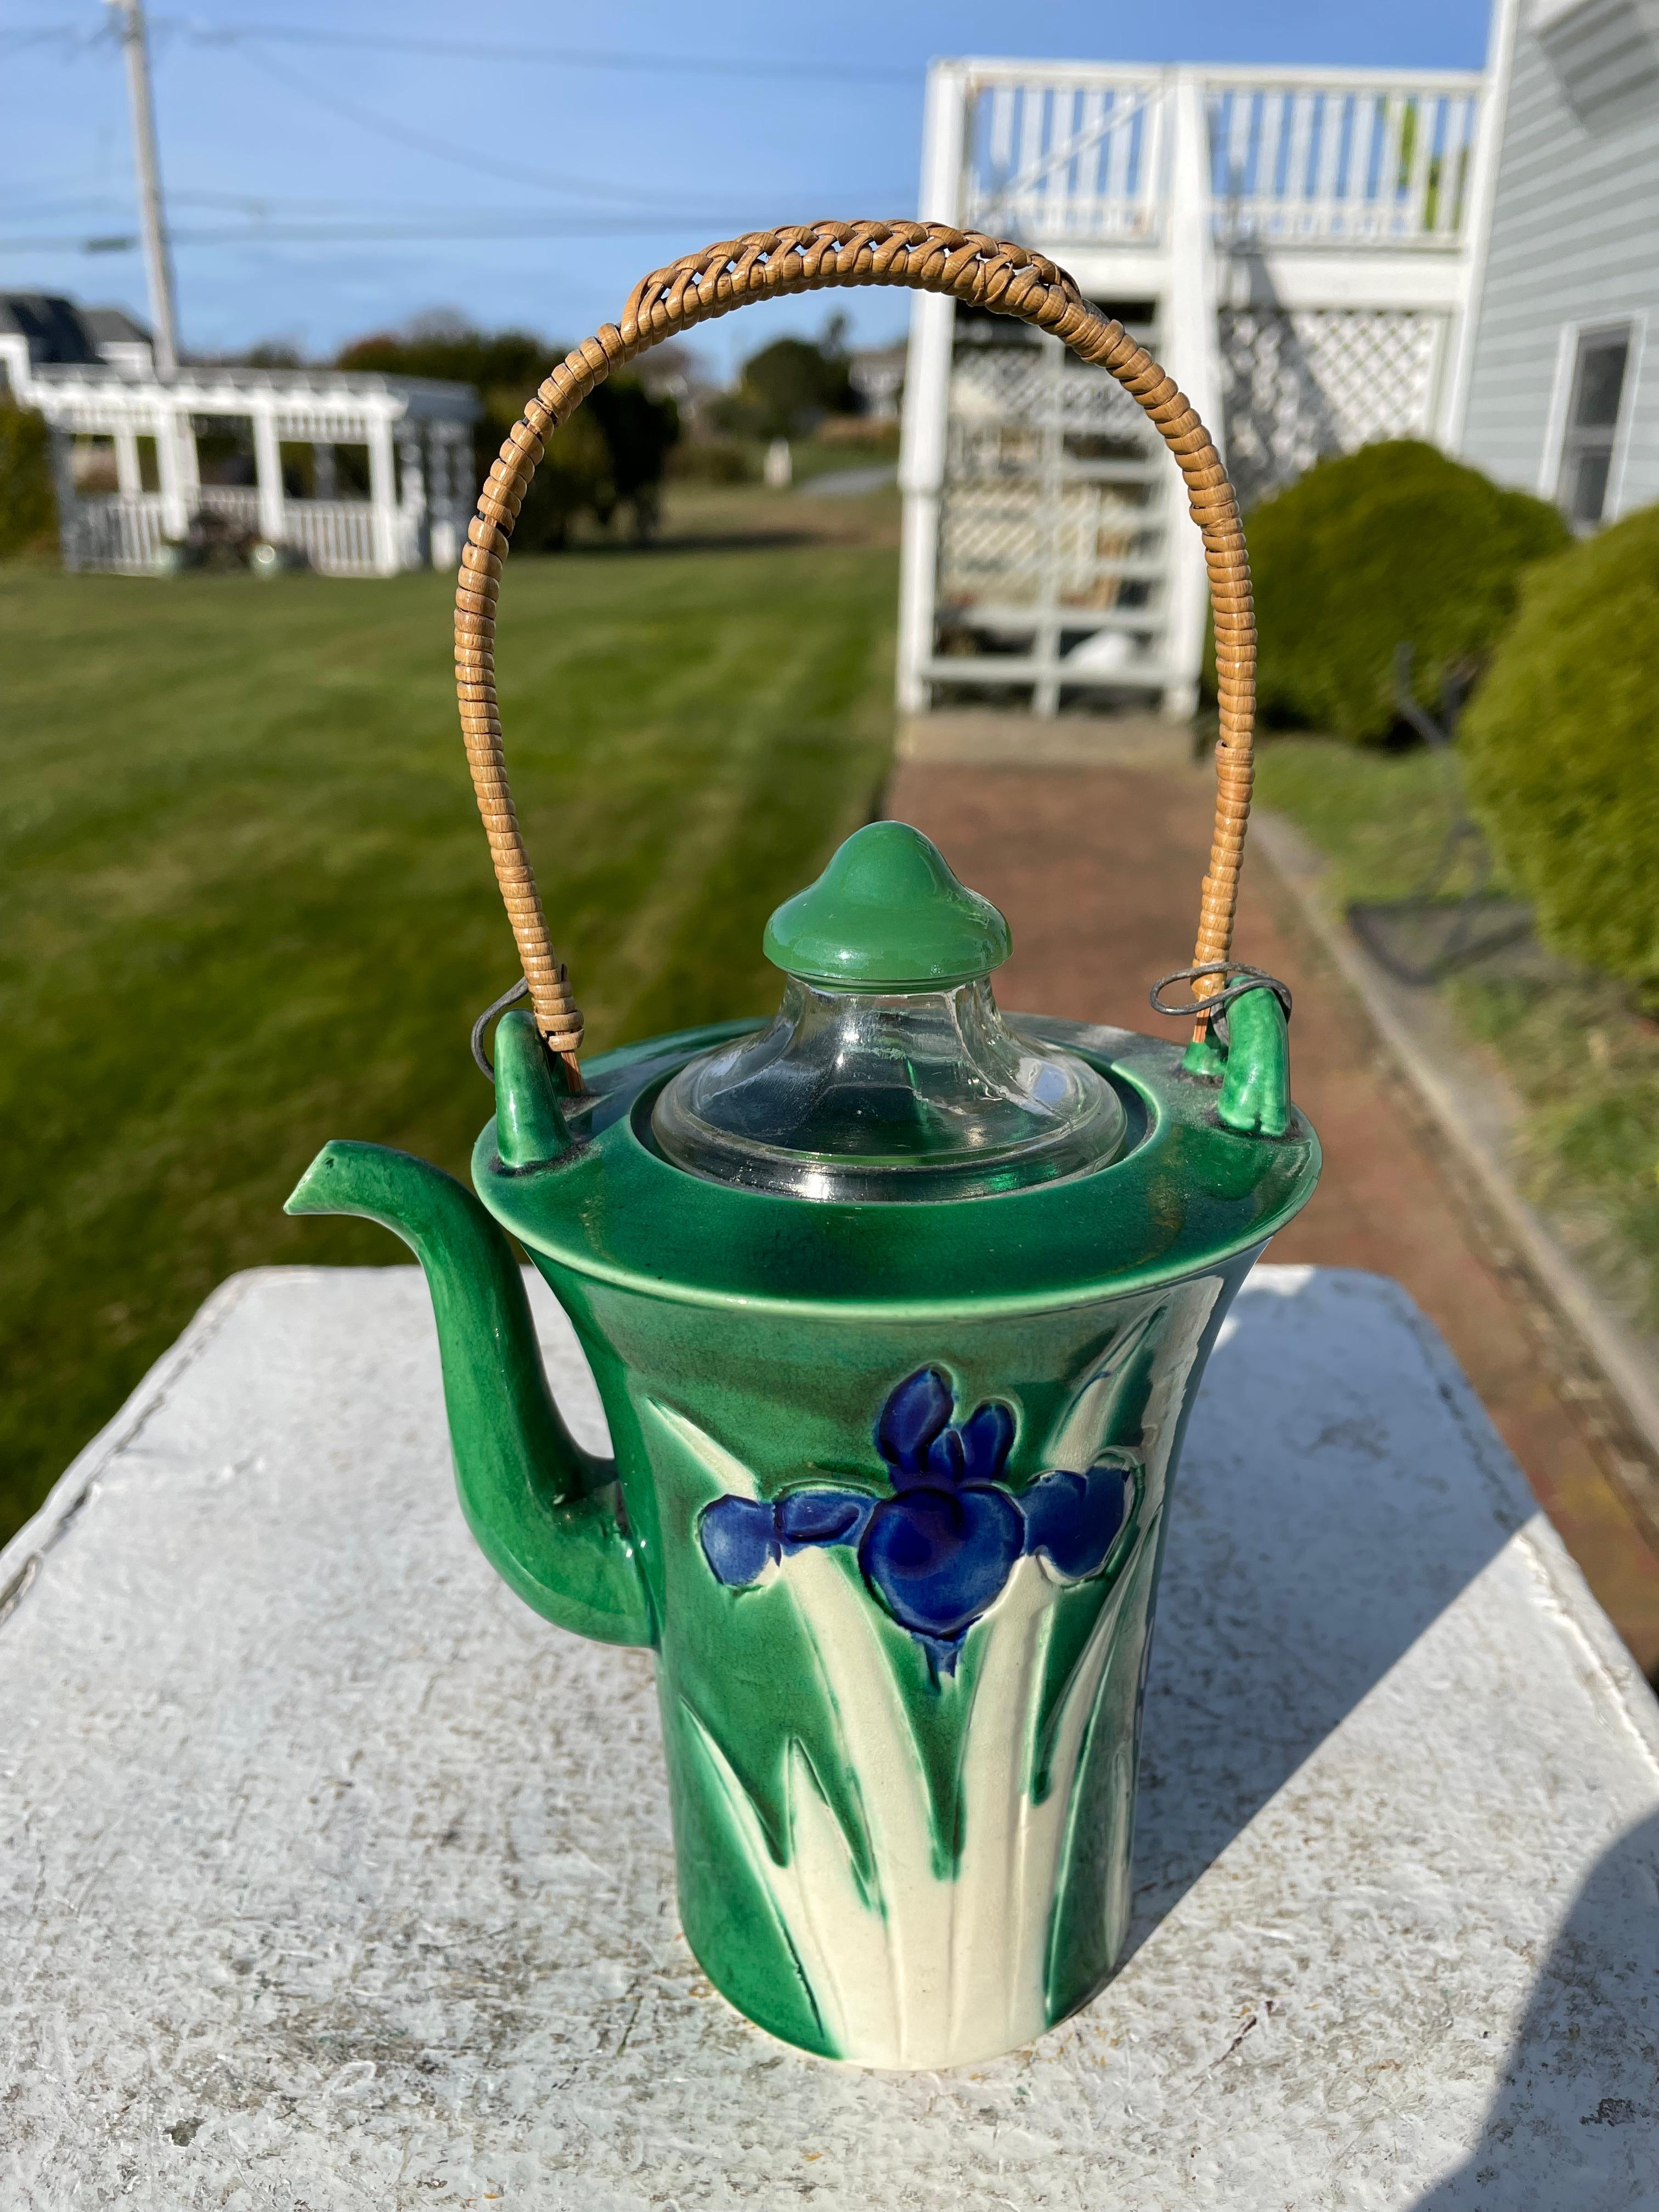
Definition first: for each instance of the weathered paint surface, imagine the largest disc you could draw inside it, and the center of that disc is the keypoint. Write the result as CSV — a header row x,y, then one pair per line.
x,y
331,1876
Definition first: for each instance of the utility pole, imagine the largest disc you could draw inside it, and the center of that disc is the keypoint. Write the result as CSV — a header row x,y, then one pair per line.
x,y
158,262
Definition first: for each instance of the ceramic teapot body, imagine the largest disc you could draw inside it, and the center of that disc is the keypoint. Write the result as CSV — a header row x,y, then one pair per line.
x,y
887,1503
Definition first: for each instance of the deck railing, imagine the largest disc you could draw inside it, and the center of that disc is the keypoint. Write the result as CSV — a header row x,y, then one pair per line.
x,y
237,503
120,532
126,531
1347,164
337,536
1342,158
1068,158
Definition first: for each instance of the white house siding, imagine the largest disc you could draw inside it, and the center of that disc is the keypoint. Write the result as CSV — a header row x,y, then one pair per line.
x,y
1574,241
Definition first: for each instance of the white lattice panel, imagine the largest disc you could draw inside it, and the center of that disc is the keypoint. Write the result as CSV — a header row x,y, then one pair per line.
x,y
1029,384
1321,380
1013,544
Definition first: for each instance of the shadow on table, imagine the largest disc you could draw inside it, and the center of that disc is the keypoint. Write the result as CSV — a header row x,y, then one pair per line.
x,y
1577,2120
1339,1487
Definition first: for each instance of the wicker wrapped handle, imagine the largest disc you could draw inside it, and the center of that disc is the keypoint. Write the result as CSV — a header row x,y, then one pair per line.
x,y
929,257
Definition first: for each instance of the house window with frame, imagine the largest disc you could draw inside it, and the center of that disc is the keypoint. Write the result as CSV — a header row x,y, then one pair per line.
x,y
1595,404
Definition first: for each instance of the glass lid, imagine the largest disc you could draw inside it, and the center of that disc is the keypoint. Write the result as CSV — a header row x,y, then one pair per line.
x,y
888,1072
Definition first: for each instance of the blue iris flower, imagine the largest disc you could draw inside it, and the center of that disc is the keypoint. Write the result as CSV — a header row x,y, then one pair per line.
x,y
938,1554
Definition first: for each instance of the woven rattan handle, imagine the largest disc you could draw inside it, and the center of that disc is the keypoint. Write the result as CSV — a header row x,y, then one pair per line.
x,y
1008,280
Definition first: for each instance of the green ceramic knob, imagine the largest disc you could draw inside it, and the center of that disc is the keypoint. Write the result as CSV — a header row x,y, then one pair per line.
x,y
888,914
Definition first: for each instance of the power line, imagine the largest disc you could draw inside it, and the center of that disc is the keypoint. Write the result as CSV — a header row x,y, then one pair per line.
x,y
634,213
422,141
800,72
551,224
447,150
738,65
436,147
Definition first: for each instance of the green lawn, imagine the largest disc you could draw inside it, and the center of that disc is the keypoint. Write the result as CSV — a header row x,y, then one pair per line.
x,y
1585,1062
246,904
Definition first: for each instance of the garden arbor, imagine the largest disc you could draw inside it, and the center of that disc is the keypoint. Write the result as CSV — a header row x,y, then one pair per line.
x,y
361,474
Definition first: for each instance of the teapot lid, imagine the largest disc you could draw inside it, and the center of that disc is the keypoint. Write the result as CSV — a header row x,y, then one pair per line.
x,y
888,912
888,1073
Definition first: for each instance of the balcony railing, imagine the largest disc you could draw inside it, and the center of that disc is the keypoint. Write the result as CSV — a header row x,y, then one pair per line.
x,y
1068,158
127,532
1342,158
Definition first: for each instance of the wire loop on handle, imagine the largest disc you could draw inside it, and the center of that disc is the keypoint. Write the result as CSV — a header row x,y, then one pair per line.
x,y
929,257
1237,978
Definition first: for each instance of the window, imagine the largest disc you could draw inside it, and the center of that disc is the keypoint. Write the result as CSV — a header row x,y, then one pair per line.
x,y
1594,406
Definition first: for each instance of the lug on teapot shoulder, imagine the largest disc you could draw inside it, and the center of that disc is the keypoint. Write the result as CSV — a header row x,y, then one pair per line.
x,y
898,1307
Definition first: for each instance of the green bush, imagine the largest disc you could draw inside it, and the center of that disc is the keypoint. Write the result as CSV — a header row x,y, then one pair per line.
x,y
1394,544
28,509
790,387
613,451
1561,756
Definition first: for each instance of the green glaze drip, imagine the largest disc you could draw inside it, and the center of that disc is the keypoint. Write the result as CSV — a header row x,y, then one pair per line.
x,y
1089,1918
543,1511
887,913
735,1647
1076,1613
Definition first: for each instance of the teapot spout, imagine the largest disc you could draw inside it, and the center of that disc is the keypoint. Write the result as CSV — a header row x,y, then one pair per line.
x,y
546,1514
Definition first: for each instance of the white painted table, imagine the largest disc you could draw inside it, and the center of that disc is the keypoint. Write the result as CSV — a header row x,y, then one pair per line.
x,y
333,1879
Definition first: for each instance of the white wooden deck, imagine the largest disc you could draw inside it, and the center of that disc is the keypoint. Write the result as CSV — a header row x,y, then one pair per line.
x,y
1295,245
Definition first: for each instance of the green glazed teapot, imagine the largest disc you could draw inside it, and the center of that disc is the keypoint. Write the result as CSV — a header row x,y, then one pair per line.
x,y
896,1309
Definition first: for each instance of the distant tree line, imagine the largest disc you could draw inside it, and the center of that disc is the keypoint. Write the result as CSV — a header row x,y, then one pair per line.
x,y
610,456
789,387
29,509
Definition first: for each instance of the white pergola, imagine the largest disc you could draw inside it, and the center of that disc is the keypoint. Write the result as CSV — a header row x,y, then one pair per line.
x,y
416,432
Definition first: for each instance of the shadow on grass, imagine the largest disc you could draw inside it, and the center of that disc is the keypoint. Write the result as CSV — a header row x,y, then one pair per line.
x,y
704,541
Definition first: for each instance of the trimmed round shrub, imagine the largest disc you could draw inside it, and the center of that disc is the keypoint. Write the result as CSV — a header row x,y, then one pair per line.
x,y
1560,750
29,507
1393,544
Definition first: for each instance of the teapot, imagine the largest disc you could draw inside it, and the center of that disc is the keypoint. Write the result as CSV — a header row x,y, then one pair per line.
x,y
897,1308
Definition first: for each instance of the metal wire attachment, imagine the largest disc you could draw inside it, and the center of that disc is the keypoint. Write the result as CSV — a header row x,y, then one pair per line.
x,y
487,1066
1250,978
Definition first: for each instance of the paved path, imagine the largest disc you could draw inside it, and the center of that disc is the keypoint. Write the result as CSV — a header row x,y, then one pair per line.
x,y
1098,870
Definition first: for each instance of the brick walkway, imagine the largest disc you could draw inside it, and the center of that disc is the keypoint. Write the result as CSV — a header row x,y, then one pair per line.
x,y
1097,870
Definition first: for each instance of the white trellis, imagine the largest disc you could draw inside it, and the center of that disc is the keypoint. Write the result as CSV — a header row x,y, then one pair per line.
x,y
1299,383
1294,246
416,434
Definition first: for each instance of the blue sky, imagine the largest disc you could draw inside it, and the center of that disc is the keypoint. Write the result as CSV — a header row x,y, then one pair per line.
x,y
602,168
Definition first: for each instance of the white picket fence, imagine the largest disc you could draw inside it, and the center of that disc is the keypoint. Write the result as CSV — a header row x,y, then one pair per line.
x,y
126,531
